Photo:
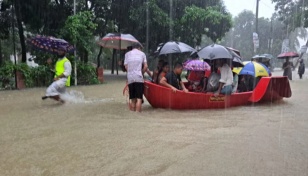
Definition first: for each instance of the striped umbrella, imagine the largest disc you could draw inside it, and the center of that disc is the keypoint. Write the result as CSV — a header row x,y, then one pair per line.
x,y
252,68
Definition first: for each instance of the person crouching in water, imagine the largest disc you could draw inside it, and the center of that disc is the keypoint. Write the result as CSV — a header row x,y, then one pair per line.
x,y
62,77
173,79
226,78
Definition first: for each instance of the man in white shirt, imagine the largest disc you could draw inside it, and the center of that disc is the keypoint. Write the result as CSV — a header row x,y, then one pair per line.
x,y
226,78
136,64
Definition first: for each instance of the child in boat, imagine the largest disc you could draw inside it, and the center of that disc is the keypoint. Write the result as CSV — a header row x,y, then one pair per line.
x,y
197,81
162,72
155,72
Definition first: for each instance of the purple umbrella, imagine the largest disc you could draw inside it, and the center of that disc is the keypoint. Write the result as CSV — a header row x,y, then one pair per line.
x,y
186,62
197,65
49,44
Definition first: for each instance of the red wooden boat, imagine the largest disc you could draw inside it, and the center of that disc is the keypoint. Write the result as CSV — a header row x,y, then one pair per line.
x,y
268,89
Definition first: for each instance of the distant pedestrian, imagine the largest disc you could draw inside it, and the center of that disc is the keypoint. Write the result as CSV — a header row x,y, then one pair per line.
x,y
136,64
301,68
287,69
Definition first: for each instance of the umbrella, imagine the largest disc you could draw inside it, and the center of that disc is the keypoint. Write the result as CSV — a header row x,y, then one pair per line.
x,y
252,68
117,41
186,62
173,47
263,57
287,54
215,51
237,60
234,50
49,44
197,65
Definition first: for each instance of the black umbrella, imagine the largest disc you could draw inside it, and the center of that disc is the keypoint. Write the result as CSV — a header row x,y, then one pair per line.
x,y
214,51
173,47
263,57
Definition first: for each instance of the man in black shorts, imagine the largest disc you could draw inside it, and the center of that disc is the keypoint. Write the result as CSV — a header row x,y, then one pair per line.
x,y
133,62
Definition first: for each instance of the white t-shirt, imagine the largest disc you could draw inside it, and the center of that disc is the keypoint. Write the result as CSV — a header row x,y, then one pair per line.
x,y
226,75
134,60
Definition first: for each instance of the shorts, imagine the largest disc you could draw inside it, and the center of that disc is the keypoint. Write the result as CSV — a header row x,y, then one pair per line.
x,y
136,90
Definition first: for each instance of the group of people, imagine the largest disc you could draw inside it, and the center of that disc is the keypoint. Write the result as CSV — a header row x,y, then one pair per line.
x,y
288,67
221,80
198,81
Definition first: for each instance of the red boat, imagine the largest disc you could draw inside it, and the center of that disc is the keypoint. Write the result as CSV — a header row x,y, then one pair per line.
x,y
268,89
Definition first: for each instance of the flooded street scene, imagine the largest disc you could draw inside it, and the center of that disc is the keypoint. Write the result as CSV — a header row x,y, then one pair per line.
x,y
153,87
98,135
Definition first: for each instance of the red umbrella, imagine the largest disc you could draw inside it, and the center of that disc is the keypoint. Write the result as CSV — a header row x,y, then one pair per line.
x,y
287,54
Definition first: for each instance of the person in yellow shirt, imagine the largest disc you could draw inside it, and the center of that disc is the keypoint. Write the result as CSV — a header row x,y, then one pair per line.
x,y
62,77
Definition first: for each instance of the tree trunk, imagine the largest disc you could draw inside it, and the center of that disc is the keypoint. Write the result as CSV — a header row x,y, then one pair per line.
x,y
99,57
1,58
20,32
86,56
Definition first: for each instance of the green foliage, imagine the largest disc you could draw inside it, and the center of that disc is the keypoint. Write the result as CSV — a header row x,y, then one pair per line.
x,y
79,29
26,72
292,13
42,76
86,74
6,73
209,21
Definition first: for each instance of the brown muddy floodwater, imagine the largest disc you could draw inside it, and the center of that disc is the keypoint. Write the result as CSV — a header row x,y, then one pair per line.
x,y
98,135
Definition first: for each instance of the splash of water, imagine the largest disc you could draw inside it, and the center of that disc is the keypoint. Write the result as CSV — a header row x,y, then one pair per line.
x,y
73,96
77,97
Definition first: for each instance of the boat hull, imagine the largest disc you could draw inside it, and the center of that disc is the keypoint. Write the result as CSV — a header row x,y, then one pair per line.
x,y
268,89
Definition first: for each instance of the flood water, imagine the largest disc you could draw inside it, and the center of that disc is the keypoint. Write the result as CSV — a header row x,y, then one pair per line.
x,y
96,134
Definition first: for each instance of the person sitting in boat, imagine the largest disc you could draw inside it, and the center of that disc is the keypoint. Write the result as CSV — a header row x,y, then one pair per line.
x,y
155,72
242,86
197,81
235,82
247,83
162,72
226,78
173,79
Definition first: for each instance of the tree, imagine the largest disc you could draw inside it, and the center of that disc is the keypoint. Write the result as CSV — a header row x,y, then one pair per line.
x,y
240,37
79,29
209,21
5,26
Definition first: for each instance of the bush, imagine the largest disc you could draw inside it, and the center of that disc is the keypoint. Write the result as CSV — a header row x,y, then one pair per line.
x,y
7,80
86,74
42,76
